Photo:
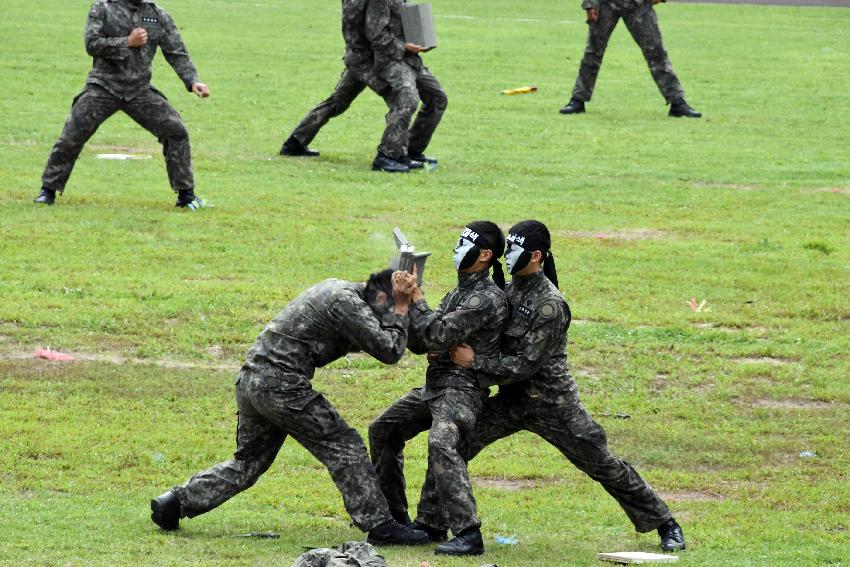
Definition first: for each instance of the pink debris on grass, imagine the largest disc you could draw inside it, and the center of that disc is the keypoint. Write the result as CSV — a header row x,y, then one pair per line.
x,y
54,355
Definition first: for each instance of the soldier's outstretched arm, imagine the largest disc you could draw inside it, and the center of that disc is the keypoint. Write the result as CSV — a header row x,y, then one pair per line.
x,y
355,321
97,43
177,55
532,352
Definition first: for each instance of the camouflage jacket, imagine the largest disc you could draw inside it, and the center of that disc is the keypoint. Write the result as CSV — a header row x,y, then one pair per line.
x,y
358,52
126,71
533,361
319,326
386,34
475,312
618,5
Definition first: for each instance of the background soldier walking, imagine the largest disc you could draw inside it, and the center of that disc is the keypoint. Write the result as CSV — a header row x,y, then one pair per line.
x,y
122,37
641,21
358,75
399,64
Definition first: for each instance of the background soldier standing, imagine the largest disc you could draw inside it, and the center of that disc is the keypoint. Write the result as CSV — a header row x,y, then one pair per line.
x,y
639,17
399,64
451,400
358,74
275,398
122,37
537,393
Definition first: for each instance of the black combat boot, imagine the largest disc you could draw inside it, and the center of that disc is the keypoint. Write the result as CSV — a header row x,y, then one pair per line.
x,y
293,148
575,106
46,197
385,163
165,511
393,533
467,542
188,200
672,538
434,534
681,108
411,163
423,158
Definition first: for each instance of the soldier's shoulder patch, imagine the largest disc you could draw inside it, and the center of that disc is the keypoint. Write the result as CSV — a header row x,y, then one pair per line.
x,y
548,310
475,301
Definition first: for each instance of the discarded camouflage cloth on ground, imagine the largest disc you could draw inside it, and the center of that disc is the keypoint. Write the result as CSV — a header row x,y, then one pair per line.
x,y
349,554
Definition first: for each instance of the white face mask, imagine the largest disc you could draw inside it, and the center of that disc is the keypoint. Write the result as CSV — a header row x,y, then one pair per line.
x,y
461,250
512,256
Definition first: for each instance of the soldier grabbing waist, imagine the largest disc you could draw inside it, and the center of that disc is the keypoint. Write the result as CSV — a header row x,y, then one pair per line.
x,y
537,392
122,36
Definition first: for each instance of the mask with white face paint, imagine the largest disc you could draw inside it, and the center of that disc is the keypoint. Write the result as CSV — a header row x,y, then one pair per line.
x,y
466,253
516,257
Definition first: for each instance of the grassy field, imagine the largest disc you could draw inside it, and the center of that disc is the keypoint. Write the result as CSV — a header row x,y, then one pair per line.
x,y
747,209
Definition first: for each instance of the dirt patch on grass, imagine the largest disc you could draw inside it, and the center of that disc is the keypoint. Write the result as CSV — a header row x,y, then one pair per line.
x,y
732,186
509,484
769,360
119,149
838,190
730,328
117,359
692,496
626,235
792,403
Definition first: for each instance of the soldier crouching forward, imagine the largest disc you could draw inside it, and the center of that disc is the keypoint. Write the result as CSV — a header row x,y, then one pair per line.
x,y
275,398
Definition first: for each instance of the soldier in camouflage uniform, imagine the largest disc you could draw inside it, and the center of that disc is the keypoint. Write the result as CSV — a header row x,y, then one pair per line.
x,y
358,75
399,64
639,17
275,398
537,392
122,37
451,400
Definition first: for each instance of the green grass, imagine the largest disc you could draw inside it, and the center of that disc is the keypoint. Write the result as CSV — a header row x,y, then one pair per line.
x,y
746,208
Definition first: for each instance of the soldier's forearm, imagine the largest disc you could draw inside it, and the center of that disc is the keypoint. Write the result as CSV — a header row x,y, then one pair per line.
x,y
107,47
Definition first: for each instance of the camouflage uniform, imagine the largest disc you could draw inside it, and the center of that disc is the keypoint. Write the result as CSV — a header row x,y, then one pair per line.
x,y
275,398
641,21
409,79
537,394
349,554
120,80
448,405
358,74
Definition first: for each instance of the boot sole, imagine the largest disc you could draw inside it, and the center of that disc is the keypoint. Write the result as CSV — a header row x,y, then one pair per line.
x,y
371,541
479,551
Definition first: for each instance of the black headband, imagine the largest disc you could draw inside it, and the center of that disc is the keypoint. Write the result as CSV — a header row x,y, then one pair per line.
x,y
528,242
477,238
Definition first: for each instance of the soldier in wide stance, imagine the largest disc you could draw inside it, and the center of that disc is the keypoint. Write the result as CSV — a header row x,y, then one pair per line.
x,y
639,17
275,399
537,392
122,37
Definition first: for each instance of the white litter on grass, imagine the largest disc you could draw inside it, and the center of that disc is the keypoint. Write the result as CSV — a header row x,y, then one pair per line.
x,y
121,156
625,557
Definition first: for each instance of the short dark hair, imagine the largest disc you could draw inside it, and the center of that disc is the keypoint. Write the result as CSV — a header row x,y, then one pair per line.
x,y
377,282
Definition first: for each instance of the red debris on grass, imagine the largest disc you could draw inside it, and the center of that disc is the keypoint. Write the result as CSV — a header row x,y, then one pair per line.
x,y
54,355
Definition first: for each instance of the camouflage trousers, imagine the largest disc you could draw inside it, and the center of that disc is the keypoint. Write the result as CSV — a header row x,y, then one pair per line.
x,y
352,82
642,23
409,84
150,109
266,416
572,431
446,501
